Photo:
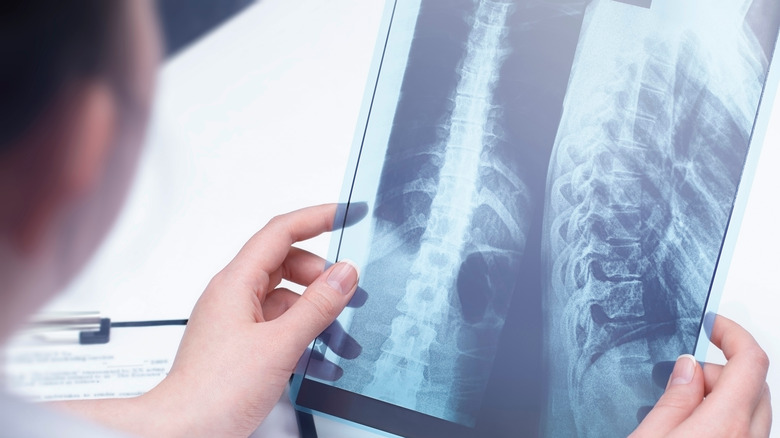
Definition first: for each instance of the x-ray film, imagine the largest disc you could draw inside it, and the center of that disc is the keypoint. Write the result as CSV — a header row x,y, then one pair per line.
x,y
549,185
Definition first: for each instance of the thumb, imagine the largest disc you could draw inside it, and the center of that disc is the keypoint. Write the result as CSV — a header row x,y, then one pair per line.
x,y
684,392
320,304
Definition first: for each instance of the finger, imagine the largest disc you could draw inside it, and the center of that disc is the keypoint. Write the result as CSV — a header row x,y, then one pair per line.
x,y
349,214
268,248
321,368
641,413
359,299
735,390
277,302
302,267
338,340
711,375
319,305
661,373
731,338
740,385
762,417
683,394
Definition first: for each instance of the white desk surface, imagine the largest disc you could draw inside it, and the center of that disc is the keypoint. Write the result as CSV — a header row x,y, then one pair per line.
x,y
258,119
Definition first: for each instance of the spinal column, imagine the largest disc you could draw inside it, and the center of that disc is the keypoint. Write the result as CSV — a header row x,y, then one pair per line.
x,y
429,318
642,179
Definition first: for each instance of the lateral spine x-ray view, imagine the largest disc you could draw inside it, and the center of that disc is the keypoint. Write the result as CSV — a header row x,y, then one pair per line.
x,y
641,183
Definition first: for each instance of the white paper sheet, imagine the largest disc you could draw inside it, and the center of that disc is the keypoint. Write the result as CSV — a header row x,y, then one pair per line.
x,y
131,363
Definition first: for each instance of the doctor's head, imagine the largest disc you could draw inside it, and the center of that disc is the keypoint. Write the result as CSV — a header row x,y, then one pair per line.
x,y
76,84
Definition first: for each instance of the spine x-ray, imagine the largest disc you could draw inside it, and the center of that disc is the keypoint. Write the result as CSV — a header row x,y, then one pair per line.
x,y
550,203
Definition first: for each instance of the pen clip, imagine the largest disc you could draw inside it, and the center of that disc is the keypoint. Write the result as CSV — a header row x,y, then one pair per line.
x,y
92,327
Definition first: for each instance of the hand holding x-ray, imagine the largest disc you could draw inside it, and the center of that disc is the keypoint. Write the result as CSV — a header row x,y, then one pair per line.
x,y
715,400
247,331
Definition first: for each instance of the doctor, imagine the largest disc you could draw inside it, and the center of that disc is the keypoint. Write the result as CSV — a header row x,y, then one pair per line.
x,y
76,83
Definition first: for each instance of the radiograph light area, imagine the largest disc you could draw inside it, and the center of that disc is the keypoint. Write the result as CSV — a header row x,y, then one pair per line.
x,y
557,182
461,182
644,172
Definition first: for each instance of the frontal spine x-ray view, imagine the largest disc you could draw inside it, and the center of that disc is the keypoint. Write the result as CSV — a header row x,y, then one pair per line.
x,y
569,165
428,321
436,357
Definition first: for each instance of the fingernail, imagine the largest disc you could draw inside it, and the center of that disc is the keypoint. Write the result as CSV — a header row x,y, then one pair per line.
x,y
683,371
344,276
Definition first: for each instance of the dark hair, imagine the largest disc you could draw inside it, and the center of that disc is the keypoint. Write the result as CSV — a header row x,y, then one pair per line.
x,y
44,45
